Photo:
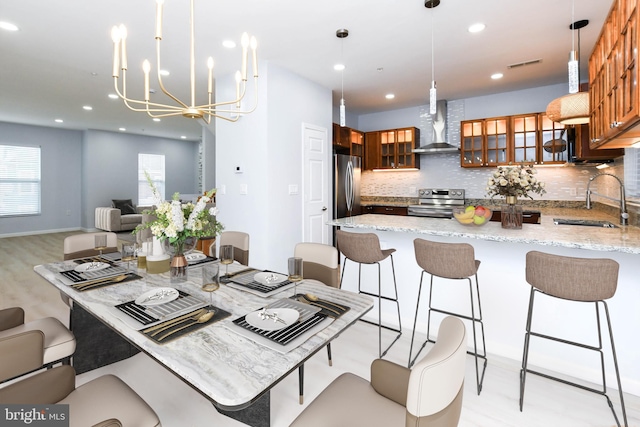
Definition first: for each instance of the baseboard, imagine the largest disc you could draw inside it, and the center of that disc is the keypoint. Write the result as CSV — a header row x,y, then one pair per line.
x,y
35,232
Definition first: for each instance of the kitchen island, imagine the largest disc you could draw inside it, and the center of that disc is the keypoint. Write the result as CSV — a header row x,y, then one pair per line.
x,y
504,290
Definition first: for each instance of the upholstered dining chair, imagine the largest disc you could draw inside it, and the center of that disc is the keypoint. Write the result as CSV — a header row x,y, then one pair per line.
x,y
58,342
428,395
319,262
104,401
240,243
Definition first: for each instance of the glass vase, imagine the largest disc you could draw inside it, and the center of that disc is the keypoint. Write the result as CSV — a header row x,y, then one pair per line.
x,y
511,213
179,264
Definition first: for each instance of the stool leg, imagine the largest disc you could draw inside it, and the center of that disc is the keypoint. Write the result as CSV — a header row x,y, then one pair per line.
x,y
474,320
615,364
329,354
525,354
415,321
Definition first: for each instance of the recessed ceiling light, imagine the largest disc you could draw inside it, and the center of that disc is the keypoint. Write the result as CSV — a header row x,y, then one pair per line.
x,y
339,67
122,129
389,96
164,72
113,96
229,44
476,28
8,26
155,119
497,76
183,137
58,120
87,107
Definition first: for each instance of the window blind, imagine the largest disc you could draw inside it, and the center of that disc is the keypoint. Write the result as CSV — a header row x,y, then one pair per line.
x,y
153,164
19,180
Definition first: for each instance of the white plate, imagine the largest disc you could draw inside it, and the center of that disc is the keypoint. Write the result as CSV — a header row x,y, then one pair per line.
x,y
91,266
287,315
157,296
269,279
195,256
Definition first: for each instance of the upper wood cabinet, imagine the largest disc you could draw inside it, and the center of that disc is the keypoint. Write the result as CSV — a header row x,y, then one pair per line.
x,y
513,139
347,140
392,149
613,77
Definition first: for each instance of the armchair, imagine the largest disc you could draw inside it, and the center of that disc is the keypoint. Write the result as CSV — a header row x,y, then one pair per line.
x,y
104,401
430,394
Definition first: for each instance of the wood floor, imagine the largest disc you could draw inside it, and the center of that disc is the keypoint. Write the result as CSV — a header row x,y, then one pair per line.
x,y
547,403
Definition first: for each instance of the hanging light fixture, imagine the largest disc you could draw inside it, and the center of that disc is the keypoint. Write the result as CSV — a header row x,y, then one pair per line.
x,y
342,34
230,110
431,4
572,109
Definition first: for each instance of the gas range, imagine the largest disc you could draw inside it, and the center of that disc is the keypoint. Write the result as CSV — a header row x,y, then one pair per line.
x,y
437,202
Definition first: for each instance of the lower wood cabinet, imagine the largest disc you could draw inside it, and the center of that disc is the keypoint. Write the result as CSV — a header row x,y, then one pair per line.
x,y
385,210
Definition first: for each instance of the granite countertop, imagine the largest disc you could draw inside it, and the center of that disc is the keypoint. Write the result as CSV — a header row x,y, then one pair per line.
x,y
622,239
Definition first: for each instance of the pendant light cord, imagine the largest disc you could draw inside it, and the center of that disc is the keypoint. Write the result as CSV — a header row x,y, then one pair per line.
x,y
433,73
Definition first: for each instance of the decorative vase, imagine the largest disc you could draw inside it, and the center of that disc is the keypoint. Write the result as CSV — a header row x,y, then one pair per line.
x,y
178,266
511,213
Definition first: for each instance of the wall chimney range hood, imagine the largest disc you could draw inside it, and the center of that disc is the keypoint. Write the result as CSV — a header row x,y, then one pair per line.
x,y
437,123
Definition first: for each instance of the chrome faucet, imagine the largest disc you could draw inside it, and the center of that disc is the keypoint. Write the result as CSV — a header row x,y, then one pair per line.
x,y
624,216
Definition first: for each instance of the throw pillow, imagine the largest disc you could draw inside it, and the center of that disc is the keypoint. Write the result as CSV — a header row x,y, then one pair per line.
x,y
125,205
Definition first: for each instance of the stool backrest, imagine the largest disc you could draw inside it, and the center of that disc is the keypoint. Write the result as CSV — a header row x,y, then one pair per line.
x,y
448,260
82,245
436,381
360,247
320,262
577,279
240,243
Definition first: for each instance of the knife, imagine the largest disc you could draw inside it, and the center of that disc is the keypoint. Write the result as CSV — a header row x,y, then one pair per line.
x,y
246,270
172,321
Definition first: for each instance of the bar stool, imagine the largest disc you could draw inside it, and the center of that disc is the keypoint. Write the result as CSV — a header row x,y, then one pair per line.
x,y
586,280
364,248
454,261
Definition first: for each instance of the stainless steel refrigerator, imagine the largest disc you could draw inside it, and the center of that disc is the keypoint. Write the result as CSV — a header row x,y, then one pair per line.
x,y
347,185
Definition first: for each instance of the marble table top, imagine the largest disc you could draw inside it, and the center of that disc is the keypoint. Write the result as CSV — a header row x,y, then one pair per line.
x,y
229,369
622,239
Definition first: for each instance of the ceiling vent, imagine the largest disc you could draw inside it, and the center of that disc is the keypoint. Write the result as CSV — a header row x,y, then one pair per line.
x,y
522,64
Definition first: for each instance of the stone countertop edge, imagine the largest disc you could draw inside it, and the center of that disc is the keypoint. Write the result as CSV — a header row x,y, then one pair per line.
x,y
622,239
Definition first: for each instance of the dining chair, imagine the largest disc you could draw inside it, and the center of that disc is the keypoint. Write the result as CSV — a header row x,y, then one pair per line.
x,y
58,341
572,280
428,395
319,262
240,243
104,401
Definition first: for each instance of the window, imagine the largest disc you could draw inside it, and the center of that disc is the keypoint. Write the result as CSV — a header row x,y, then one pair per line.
x,y
19,180
153,164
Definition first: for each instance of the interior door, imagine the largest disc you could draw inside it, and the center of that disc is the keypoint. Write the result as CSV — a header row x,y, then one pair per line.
x,y
317,181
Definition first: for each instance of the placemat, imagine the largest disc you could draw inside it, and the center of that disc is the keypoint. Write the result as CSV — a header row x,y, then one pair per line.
x,y
147,315
201,261
188,325
327,307
247,283
85,276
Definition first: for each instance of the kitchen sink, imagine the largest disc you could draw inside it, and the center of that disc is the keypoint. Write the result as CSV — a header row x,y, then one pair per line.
x,y
586,222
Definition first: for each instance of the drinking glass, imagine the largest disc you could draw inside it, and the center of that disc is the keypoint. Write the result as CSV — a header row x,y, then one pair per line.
x,y
128,253
295,272
100,243
226,258
210,282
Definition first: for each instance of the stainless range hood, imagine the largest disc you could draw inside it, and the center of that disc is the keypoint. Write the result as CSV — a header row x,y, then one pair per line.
x,y
438,125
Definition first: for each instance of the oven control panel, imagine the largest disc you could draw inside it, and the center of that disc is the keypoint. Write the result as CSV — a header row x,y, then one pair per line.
x,y
439,193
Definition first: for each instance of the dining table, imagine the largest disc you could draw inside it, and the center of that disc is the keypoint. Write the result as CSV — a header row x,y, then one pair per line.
x,y
225,356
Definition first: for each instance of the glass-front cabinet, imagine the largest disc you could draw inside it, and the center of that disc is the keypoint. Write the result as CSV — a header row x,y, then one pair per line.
x,y
392,149
497,147
553,144
484,142
525,136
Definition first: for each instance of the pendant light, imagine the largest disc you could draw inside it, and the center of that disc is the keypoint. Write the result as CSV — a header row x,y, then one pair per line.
x,y
431,4
342,34
572,109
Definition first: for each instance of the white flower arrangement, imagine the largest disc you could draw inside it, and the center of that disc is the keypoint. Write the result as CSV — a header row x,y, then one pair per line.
x,y
177,221
517,181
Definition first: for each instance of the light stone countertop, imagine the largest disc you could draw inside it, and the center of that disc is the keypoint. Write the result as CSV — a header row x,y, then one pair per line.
x,y
623,239
231,370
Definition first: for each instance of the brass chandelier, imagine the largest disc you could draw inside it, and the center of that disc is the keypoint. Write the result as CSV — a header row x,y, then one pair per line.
x,y
227,110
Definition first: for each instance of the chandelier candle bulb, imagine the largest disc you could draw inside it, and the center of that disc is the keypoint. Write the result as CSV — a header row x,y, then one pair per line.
x,y
254,56
210,79
146,67
159,4
244,41
115,36
123,46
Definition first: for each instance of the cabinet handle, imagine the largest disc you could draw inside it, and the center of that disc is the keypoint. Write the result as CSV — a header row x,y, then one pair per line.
x,y
388,209
615,125
594,140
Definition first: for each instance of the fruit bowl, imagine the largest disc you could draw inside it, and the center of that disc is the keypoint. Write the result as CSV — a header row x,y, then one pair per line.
x,y
472,215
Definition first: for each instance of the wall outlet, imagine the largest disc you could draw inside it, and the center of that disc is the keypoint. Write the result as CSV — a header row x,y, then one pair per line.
x,y
244,189
412,190
293,189
573,191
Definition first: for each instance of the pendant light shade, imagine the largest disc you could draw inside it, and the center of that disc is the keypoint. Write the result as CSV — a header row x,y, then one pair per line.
x,y
572,109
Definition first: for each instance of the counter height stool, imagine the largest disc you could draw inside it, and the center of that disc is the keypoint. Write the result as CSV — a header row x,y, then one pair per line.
x,y
364,248
587,280
453,261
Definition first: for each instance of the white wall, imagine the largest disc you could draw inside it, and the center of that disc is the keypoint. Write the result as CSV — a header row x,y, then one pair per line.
x,y
267,144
